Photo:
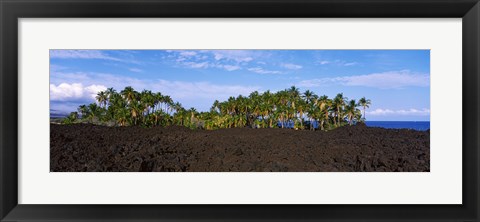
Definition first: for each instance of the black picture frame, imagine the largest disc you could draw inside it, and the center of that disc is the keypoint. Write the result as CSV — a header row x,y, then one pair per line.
x,y
12,10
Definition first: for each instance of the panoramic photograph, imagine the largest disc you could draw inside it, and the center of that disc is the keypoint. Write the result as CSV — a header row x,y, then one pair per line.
x,y
239,110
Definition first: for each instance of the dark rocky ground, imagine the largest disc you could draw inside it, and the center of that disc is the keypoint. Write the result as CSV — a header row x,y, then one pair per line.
x,y
83,147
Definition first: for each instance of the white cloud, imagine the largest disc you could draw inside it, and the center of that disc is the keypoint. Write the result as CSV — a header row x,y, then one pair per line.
x,y
135,70
263,71
66,91
191,94
324,62
93,90
407,112
291,66
422,112
385,80
74,91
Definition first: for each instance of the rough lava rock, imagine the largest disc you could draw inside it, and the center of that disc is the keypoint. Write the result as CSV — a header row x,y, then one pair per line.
x,y
84,147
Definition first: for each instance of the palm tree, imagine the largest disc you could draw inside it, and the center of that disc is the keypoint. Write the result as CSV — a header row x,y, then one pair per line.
x,y
122,116
339,103
294,94
257,109
157,100
147,98
350,110
168,103
129,94
102,98
110,94
314,114
255,105
365,103
268,101
301,105
83,110
281,107
324,105
135,109
309,96
116,102
93,110
177,106
73,115
215,106
192,112
180,115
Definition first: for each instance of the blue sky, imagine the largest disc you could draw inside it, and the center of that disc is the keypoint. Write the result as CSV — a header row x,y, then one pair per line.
x,y
396,81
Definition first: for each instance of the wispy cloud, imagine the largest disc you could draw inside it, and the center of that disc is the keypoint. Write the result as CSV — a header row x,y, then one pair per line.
x,y
57,68
60,77
406,112
229,60
230,67
92,54
260,70
196,65
235,55
350,63
81,54
187,53
338,62
135,70
385,80
204,65
203,89
291,66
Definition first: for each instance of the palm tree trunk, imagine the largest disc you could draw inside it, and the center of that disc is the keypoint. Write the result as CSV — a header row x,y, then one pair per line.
x,y
364,117
338,115
301,119
335,119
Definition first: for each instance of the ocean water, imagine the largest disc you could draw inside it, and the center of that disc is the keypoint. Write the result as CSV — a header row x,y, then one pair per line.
x,y
415,125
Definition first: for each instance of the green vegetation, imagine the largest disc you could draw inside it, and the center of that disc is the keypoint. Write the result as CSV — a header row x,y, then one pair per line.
x,y
259,110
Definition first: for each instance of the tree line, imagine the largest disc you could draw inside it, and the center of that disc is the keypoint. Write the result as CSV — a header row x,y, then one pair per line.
x,y
287,108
